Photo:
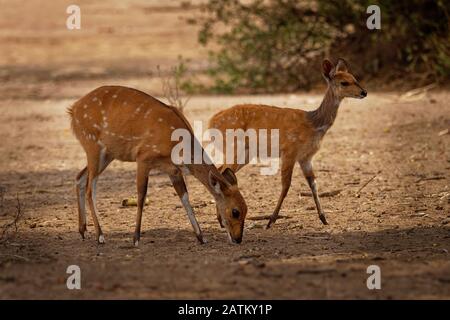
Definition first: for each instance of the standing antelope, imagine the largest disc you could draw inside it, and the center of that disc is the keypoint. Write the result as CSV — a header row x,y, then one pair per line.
x,y
300,132
115,122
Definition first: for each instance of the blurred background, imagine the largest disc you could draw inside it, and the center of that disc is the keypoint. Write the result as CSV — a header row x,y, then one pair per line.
x,y
385,163
218,46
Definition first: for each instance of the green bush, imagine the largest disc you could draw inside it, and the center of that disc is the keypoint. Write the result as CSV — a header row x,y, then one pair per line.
x,y
277,45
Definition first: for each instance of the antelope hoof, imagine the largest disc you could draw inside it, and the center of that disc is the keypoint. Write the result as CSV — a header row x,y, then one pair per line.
x,y
136,240
323,219
82,231
101,239
271,222
200,239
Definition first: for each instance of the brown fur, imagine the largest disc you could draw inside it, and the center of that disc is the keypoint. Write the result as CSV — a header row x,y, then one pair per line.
x,y
114,122
300,132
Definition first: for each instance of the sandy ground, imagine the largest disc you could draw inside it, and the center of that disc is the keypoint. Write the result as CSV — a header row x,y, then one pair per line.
x,y
400,221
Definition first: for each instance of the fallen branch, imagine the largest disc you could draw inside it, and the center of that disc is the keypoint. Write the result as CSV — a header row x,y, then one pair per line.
x,y
14,256
313,237
266,217
315,271
365,184
322,194
430,178
5,229
417,94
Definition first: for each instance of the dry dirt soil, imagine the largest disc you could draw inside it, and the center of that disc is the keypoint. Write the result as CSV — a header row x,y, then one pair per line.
x,y
387,145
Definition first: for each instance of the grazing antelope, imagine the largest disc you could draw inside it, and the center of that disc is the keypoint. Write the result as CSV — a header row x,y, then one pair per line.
x,y
115,122
300,132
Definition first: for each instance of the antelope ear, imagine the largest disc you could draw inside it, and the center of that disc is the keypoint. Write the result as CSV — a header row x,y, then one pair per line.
x,y
229,175
342,65
327,68
217,182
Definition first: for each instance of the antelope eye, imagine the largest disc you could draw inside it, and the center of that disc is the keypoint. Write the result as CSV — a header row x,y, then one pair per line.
x,y
235,213
345,83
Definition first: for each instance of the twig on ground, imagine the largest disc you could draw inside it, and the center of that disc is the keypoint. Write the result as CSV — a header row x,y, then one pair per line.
x,y
14,256
266,217
430,178
313,237
4,237
365,184
315,271
418,93
322,194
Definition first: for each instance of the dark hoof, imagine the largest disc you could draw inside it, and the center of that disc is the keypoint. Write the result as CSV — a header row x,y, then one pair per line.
x,y
270,223
323,219
82,231
200,239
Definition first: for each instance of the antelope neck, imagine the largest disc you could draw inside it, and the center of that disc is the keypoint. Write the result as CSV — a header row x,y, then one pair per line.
x,y
323,117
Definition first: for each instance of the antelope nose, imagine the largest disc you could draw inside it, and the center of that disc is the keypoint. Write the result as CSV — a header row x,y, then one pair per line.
x,y
238,240
364,93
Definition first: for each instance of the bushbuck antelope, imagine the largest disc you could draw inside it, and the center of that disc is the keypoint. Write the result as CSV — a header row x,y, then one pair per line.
x,y
114,122
300,132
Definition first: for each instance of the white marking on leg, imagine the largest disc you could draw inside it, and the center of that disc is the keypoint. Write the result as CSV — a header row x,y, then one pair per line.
x,y
82,195
94,193
185,170
307,166
190,213
102,160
